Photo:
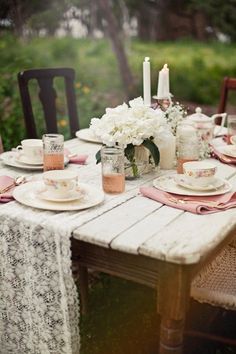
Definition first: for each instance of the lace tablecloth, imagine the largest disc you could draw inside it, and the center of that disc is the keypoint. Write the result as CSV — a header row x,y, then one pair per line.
x,y
39,306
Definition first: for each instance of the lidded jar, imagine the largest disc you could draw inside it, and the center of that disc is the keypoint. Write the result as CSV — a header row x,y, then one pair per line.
x,y
188,144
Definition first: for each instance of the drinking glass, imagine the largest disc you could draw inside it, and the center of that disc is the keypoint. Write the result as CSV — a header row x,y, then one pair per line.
x,y
231,125
187,144
113,175
53,152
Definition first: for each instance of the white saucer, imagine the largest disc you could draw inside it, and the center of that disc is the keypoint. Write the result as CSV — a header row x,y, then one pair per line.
x,y
181,180
46,195
229,150
28,194
24,159
167,183
233,139
87,135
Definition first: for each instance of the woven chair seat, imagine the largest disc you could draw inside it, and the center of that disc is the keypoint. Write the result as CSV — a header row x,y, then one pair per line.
x,y
216,284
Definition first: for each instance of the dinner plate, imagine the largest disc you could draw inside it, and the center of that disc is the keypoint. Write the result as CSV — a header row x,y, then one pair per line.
x,y
10,158
46,195
87,135
167,184
27,194
228,150
181,180
24,159
233,139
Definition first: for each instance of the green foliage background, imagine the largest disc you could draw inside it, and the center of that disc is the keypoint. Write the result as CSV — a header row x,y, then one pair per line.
x,y
196,73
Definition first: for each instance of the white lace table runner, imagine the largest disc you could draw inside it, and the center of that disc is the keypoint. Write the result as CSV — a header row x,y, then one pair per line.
x,y
39,307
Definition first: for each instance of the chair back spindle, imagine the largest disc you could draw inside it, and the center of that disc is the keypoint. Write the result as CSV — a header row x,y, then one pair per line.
x,y
47,97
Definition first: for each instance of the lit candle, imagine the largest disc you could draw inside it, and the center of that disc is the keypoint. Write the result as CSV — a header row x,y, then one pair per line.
x,y
146,82
163,88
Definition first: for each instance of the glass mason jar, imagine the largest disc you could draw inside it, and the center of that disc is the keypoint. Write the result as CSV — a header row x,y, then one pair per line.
x,y
113,176
188,144
53,152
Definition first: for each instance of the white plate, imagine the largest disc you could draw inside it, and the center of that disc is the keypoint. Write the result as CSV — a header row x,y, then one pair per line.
x,y
87,135
24,159
229,150
182,181
167,184
46,195
27,194
10,158
233,139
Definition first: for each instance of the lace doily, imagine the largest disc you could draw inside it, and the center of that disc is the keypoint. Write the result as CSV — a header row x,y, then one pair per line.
x,y
39,307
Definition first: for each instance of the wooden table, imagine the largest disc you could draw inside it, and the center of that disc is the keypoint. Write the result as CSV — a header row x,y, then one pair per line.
x,y
136,238
155,245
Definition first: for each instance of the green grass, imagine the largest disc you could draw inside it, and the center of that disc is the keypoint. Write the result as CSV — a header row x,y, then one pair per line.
x,y
196,73
122,319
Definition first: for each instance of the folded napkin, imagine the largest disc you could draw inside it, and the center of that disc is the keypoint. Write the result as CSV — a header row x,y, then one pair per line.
x,y
7,185
74,158
196,205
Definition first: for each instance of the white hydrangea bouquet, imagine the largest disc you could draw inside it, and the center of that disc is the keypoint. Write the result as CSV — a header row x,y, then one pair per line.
x,y
131,126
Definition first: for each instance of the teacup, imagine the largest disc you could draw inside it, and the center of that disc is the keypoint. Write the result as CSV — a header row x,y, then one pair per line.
x,y
60,183
32,149
199,173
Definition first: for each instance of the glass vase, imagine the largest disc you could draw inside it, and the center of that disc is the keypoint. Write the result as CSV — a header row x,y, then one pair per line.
x,y
140,164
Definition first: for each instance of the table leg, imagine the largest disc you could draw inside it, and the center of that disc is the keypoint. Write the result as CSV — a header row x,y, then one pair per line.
x,y
171,336
83,288
172,302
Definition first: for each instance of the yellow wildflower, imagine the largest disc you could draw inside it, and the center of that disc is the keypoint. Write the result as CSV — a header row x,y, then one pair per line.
x,y
62,123
86,90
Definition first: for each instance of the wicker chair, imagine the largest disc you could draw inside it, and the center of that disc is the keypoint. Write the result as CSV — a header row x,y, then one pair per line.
x,y
216,286
47,96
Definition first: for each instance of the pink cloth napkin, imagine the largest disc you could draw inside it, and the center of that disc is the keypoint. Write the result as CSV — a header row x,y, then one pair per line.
x,y
79,159
196,205
5,182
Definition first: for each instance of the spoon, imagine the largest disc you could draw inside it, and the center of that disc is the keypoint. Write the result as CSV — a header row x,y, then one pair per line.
x,y
17,181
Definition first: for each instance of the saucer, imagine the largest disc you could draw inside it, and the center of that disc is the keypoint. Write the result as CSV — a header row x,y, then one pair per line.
x,y
167,183
50,196
181,180
233,139
24,159
229,150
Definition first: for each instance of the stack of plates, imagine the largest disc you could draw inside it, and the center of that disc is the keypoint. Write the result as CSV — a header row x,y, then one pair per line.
x,y
14,159
178,184
33,194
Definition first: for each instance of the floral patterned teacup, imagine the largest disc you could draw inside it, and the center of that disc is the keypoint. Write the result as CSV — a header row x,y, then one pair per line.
x,y
199,173
60,183
32,149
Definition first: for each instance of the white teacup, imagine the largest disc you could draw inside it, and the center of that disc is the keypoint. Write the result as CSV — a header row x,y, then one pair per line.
x,y
199,173
60,183
32,149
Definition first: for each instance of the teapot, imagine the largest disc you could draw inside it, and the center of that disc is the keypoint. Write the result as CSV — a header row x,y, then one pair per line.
x,y
206,125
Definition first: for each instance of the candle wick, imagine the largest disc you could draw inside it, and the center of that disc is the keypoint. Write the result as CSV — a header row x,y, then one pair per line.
x,y
146,59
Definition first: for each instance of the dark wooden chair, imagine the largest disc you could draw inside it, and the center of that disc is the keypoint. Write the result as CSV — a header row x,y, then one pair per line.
x,y
47,95
229,83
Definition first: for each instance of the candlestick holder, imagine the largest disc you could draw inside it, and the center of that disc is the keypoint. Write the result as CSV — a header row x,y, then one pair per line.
x,y
163,104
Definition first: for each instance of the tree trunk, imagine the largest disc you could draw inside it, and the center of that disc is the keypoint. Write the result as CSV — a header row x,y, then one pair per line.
x,y
112,27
